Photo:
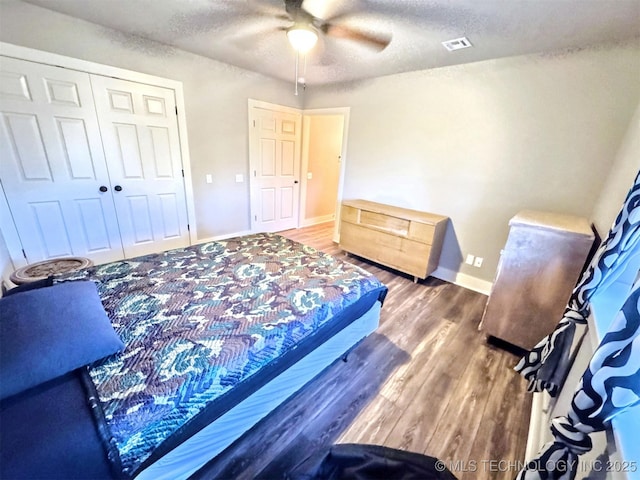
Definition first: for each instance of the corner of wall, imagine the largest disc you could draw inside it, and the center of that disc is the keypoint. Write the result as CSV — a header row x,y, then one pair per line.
x,y
623,170
6,265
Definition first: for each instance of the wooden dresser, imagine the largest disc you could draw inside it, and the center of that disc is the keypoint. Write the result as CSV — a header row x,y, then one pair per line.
x,y
406,240
538,269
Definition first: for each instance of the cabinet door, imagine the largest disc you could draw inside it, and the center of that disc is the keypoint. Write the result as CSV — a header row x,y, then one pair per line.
x,y
52,164
140,136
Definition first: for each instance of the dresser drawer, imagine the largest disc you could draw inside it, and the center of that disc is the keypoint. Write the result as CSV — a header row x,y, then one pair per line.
x,y
422,232
367,242
412,258
400,253
349,214
395,225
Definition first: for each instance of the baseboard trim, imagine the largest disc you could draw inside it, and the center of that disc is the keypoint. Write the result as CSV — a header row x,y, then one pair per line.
x,y
223,236
463,280
307,222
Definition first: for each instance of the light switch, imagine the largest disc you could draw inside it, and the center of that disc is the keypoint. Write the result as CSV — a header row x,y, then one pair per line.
x,y
209,178
309,175
239,178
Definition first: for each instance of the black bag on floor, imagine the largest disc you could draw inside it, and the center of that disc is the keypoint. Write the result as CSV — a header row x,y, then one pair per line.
x,y
369,462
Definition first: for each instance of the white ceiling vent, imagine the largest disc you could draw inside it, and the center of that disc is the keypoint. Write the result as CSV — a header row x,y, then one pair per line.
x,y
457,44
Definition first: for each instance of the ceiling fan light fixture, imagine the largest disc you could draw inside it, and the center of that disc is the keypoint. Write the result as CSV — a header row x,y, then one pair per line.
x,y
302,37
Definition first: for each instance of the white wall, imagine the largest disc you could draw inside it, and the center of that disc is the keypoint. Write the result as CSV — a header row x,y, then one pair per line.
x,y
621,177
481,141
215,95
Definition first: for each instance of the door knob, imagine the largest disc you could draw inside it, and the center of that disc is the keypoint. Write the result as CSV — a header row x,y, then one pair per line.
x,y
103,189
295,181
117,188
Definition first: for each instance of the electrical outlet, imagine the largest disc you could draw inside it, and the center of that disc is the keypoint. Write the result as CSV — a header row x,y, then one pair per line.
x,y
478,262
470,259
239,178
208,178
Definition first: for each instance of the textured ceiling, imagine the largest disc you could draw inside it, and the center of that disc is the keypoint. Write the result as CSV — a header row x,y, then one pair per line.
x,y
248,33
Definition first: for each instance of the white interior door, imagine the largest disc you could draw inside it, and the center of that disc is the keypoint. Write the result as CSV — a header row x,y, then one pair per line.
x,y
140,136
52,164
274,153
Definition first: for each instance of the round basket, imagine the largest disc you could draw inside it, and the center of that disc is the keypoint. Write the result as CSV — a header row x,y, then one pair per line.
x,y
46,268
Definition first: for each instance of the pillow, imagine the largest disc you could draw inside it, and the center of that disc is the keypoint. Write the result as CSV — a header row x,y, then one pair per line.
x,y
48,332
45,282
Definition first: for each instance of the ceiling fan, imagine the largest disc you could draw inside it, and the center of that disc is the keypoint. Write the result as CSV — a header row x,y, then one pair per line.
x,y
304,29
303,33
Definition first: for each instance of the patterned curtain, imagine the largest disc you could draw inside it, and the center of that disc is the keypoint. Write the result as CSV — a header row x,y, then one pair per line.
x,y
546,365
609,386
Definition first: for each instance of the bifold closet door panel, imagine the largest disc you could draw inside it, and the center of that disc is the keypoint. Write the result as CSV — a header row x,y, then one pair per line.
x,y
52,164
139,131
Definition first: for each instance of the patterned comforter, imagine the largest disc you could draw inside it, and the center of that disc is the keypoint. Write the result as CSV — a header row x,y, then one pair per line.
x,y
200,320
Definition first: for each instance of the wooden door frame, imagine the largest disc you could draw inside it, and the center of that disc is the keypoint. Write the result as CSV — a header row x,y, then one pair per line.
x,y
7,226
345,112
251,104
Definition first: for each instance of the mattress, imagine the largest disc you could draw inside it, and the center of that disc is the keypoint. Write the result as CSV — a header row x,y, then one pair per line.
x,y
188,457
206,327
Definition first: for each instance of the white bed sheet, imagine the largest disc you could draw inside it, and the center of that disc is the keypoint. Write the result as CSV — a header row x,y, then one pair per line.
x,y
191,455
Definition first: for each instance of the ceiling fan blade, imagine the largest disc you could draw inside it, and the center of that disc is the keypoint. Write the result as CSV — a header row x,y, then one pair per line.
x,y
331,11
321,54
376,41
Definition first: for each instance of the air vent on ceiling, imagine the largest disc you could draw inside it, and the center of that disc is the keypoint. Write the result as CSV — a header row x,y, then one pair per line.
x,y
457,44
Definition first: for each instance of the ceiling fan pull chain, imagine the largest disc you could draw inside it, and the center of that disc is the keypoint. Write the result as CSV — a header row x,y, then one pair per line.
x,y
296,79
302,79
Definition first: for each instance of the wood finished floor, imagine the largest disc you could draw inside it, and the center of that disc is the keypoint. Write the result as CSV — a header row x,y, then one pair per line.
x,y
426,381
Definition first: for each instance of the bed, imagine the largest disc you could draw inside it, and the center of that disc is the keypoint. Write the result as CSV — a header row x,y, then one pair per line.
x,y
215,337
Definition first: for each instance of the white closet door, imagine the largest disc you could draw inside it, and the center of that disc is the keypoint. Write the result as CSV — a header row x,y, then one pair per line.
x,y
141,143
52,164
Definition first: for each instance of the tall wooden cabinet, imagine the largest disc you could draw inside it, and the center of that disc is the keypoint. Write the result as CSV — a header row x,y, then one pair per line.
x,y
408,240
538,269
